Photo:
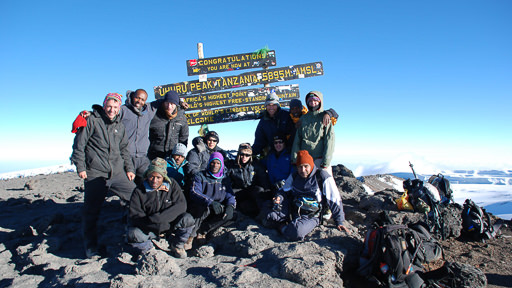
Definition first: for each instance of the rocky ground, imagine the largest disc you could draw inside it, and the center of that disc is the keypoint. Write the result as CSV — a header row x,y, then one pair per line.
x,y
40,244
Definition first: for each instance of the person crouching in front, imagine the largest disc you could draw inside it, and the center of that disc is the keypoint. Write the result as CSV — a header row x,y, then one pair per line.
x,y
212,202
302,197
158,206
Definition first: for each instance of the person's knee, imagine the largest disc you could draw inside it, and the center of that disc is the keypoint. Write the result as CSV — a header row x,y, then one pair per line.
x,y
135,235
185,220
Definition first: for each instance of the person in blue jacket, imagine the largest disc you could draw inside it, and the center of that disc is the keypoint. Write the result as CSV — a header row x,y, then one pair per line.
x,y
212,202
278,163
176,164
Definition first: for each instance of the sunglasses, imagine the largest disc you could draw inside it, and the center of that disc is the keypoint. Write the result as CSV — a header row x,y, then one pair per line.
x,y
278,142
245,155
212,140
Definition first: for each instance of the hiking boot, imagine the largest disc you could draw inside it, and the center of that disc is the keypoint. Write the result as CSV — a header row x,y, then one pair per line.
x,y
178,252
92,253
188,244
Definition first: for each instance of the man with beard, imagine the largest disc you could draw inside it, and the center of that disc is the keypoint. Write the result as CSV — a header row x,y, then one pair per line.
x,y
102,159
313,136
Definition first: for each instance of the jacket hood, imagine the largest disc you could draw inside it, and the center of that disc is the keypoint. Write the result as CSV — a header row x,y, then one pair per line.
x,y
319,95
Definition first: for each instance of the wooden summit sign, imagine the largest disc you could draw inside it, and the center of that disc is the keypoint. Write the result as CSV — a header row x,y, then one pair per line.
x,y
228,114
240,97
231,62
242,80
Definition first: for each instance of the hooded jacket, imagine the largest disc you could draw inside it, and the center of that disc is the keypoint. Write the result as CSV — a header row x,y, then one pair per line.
x,y
136,124
165,133
296,186
154,210
206,189
198,157
101,147
175,171
314,137
268,127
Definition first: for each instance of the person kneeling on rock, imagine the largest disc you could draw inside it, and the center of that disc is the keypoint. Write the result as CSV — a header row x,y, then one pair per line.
x,y
302,197
158,206
212,201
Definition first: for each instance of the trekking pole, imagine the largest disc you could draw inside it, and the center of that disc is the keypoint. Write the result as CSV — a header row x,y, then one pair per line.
x,y
414,257
414,173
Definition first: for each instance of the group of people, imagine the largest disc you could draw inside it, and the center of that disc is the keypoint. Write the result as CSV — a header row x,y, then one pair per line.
x,y
138,151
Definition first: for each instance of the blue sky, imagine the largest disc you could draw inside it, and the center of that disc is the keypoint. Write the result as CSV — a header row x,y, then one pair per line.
x,y
422,81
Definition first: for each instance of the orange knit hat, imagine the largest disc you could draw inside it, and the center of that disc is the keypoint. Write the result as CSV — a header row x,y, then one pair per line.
x,y
303,157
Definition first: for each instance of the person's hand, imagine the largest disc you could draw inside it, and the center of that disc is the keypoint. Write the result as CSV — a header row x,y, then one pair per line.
x,y
217,207
82,175
130,175
277,200
326,120
184,105
228,215
343,228
85,114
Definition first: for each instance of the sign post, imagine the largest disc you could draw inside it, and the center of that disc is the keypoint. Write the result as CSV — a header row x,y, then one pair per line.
x,y
207,105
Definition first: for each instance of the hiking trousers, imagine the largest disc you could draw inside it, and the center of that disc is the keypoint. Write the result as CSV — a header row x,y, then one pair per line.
x,y
182,228
96,190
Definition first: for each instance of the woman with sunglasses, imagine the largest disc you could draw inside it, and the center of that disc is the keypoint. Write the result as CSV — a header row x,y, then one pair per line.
x,y
242,172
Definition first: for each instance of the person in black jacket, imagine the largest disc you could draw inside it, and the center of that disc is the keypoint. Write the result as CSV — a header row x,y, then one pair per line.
x,y
102,159
246,180
274,120
159,206
168,127
199,156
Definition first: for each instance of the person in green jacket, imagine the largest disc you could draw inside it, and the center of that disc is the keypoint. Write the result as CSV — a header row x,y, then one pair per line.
x,y
313,135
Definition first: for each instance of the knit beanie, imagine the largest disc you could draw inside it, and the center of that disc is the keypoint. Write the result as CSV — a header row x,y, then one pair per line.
x,y
295,103
113,96
303,157
316,95
245,147
172,97
279,136
272,99
211,134
159,166
217,156
180,149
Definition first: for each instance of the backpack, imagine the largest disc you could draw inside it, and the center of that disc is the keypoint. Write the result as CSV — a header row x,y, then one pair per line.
x,y
425,199
443,186
392,254
453,274
476,222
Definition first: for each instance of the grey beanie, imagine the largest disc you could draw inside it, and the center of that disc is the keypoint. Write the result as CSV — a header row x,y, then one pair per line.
x,y
272,99
180,149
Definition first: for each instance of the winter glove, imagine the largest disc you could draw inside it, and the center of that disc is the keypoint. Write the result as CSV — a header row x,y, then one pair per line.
x,y
229,213
217,207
